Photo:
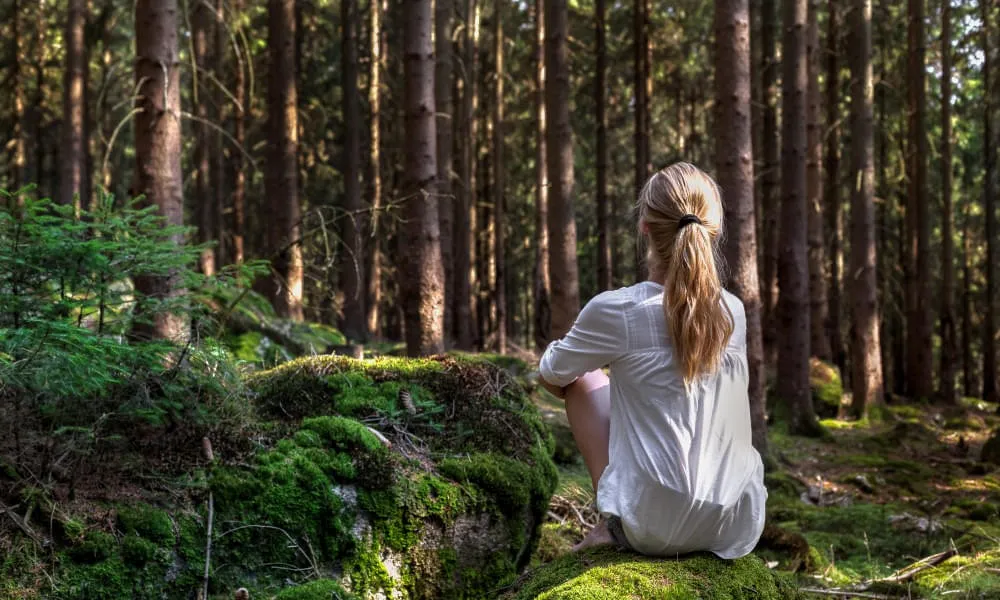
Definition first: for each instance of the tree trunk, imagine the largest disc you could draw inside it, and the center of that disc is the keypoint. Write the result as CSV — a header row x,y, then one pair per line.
x,y
543,308
640,55
423,279
949,342
74,157
793,263
603,227
499,242
20,175
866,380
834,212
223,251
373,268
989,321
352,276
920,365
239,164
444,22
158,147
201,27
281,181
819,341
969,384
734,169
559,146
770,178
464,233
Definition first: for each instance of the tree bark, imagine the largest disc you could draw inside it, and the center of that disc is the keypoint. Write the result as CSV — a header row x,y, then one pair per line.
x,y
819,341
352,276
734,168
201,27
641,67
989,268
281,181
74,157
499,241
465,300
158,147
866,380
424,294
949,341
793,261
543,308
444,23
373,268
969,384
834,211
603,227
920,364
20,174
770,178
559,146
223,250
239,163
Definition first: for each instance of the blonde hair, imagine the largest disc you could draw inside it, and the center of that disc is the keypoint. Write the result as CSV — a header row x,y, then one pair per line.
x,y
681,210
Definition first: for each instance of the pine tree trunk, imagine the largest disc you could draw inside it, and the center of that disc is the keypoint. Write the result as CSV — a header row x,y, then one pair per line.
x,y
239,163
223,251
834,212
444,23
793,260
819,341
423,278
989,320
559,146
158,147
543,307
201,26
499,241
74,157
640,55
734,168
603,227
465,300
281,180
969,384
20,174
920,365
352,276
770,178
949,342
866,380
373,268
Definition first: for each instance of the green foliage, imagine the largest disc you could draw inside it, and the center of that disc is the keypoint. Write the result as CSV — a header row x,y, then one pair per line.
x,y
321,589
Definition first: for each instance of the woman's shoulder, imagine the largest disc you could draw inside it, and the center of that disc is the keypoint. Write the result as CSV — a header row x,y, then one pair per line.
x,y
734,304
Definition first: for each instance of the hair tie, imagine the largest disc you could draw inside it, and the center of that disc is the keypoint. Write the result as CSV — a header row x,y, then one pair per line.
x,y
687,220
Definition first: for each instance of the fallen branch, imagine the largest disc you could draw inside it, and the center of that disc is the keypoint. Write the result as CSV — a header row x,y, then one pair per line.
x,y
844,593
22,524
921,565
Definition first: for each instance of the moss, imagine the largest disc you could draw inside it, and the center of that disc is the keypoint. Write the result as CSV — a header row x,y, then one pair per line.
x,y
148,522
95,547
991,449
105,580
137,551
606,573
321,589
827,388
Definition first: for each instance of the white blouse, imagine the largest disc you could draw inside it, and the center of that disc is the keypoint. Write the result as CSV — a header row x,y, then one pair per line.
x,y
683,475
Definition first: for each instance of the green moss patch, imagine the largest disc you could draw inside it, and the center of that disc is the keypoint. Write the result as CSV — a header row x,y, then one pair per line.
x,y
606,573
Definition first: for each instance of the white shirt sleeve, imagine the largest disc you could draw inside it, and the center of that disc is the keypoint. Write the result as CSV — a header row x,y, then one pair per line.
x,y
597,338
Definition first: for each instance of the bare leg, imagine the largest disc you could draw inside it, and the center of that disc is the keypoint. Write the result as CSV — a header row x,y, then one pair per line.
x,y
588,409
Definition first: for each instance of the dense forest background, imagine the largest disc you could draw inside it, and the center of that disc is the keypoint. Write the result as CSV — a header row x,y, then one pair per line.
x,y
461,174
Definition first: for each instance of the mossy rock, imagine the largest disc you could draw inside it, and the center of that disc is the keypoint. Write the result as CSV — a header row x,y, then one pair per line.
x,y
827,388
392,478
607,573
991,449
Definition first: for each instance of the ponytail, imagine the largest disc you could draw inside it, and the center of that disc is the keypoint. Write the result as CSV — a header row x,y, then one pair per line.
x,y
700,326
681,210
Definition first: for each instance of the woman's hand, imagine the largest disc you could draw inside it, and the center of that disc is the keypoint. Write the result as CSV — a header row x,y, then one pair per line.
x,y
555,390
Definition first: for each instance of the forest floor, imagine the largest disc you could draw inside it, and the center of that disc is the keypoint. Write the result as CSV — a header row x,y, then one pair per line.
x,y
898,509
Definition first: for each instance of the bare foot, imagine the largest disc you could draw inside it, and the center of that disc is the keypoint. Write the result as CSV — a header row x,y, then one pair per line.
x,y
598,536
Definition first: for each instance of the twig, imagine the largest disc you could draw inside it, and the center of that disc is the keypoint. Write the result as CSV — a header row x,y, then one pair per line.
x,y
843,593
208,543
917,567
